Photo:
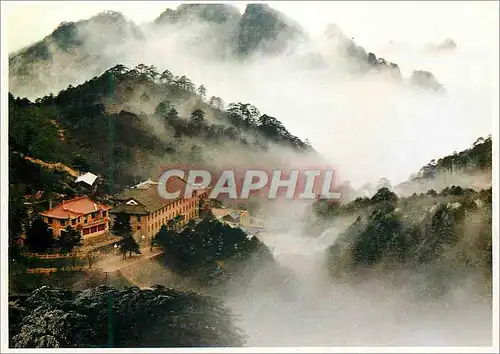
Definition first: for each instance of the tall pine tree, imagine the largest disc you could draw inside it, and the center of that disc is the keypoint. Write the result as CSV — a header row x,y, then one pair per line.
x,y
39,237
122,228
69,239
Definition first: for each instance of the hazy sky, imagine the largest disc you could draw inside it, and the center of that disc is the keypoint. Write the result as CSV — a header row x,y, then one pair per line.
x,y
369,22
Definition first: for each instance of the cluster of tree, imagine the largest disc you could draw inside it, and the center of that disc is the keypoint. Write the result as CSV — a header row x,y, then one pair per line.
x,y
92,140
478,157
412,231
123,229
105,317
79,132
240,115
243,117
73,128
31,131
426,79
197,249
40,239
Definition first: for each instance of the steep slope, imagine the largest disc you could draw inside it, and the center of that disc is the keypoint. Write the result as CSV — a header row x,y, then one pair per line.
x,y
126,123
73,52
266,30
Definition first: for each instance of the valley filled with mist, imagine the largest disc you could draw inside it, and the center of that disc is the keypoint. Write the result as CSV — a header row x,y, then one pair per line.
x,y
404,258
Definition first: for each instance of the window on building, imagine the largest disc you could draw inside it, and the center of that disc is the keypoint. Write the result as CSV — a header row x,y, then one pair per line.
x,y
104,213
79,219
138,218
138,228
85,220
93,229
101,227
49,221
86,231
73,222
93,215
63,222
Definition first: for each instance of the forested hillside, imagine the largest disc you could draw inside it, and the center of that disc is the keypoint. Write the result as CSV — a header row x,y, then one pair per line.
x,y
450,229
159,317
127,124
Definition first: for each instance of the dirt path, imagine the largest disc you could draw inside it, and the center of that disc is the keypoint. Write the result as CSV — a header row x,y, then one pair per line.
x,y
53,166
113,263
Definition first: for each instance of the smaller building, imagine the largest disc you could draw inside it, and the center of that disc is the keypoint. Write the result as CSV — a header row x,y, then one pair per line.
x,y
232,217
87,178
82,213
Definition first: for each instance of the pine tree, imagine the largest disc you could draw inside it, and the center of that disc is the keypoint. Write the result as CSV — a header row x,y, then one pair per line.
x,y
69,239
121,226
39,237
202,91
129,244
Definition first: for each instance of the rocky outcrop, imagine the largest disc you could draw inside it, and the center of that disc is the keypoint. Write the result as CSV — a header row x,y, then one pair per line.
x,y
211,13
426,80
262,28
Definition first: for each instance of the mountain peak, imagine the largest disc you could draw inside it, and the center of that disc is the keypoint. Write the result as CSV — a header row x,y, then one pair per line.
x,y
263,26
109,15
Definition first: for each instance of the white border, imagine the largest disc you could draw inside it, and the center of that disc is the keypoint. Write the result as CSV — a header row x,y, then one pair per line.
x,y
4,246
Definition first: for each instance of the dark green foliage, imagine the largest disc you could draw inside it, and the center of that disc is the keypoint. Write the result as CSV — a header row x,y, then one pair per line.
x,y
39,237
381,236
196,249
80,163
32,132
384,195
163,108
413,231
129,244
198,116
161,317
121,225
18,214
478,157
76,128
69,239
202,92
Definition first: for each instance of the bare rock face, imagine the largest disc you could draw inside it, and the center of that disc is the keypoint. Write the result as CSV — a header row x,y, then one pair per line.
x,y
211,13
263,28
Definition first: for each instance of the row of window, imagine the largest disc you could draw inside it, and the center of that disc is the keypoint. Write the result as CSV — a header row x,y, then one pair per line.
x,y
78,220
91,230
155,227
186,204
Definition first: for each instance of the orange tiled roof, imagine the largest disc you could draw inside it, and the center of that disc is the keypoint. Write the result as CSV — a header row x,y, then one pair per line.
x,y
75,207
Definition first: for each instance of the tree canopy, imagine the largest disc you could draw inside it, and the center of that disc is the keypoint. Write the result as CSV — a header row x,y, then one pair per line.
x,y
159,317
196,249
